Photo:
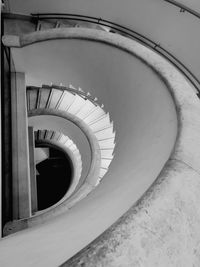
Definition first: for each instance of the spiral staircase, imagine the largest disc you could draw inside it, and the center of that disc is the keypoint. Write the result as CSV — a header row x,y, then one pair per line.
x,y
78,104
130,198
62,101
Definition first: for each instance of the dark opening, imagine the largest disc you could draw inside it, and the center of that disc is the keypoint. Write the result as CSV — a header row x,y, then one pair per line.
x,y
53,178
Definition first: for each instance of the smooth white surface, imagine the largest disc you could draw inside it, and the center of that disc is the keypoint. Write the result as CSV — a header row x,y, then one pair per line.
x,y
145,121
41,154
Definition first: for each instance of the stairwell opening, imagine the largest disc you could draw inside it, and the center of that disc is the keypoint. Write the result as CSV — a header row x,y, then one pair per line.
x,y
54,177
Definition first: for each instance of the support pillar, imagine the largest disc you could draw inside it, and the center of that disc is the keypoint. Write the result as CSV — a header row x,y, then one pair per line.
x,y
20,150
33,181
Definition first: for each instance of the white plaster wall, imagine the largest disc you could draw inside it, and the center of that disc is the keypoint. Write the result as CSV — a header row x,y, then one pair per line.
x,y
145,121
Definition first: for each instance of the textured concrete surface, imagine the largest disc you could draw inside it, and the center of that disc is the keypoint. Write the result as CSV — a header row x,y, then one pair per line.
x,y
162,228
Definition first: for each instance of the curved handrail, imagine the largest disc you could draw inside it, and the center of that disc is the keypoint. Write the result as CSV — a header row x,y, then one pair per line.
x,y
183,8
127,33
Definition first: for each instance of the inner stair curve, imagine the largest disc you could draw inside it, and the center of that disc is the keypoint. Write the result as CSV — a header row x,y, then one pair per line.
x,y
57,139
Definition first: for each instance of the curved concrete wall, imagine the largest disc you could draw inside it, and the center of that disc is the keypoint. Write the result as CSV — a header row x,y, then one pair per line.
x,y
145,119
127,87
162,228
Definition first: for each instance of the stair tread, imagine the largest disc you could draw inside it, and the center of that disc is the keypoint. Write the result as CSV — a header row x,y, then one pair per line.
x,y
101,123
86,109
94,115
66,101
108,143
105,163
54,98
102,172
106,133
76,105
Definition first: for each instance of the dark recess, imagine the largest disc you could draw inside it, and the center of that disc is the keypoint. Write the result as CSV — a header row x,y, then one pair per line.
x,y
54,178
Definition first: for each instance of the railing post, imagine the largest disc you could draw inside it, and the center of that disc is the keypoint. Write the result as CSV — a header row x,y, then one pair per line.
x,y
21,172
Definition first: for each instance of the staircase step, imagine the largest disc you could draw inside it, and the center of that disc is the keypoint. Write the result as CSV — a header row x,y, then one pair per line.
x,y
73,147
44,96
41,134
56,136
54,98
68,143
102,172
63,139
103,122
76,152
104,134
105,144
78,157
66,101
94,115
105,163
94,121
76,105
86,109
106,126
49,135
106,153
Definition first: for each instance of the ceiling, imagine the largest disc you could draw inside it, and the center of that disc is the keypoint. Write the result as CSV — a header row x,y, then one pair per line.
x,y
177,32
86,6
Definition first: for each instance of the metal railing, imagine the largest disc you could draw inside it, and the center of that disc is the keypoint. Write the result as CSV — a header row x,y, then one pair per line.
x,y
183,8
122,30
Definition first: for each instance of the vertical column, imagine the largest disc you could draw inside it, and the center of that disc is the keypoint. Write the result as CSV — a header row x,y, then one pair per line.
x,y
1,154
6,139
32,170
20,150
